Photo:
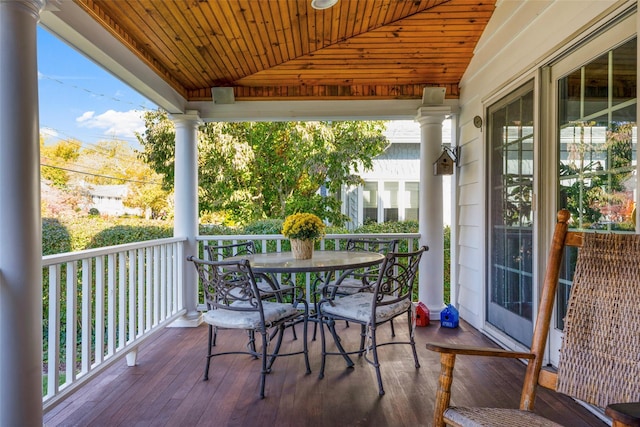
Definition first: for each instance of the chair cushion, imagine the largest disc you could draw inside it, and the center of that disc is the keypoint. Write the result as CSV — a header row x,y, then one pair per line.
x,y
273,312
495,417
358,308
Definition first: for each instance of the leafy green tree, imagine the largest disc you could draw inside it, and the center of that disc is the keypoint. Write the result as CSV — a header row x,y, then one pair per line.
x,y
158,143
269,169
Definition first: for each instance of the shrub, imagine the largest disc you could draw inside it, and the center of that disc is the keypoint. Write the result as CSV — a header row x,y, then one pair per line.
x,y
264,226
55,237
217,218
215,229
76,234
121,234
389,227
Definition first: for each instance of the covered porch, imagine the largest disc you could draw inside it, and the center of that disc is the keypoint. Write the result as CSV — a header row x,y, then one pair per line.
x,y
394,70
165,388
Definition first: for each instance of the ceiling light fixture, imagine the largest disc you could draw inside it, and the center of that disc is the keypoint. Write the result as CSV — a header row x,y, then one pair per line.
x,y
322,4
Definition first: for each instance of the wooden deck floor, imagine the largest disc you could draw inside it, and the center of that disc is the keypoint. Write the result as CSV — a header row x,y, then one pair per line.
x,y
166,387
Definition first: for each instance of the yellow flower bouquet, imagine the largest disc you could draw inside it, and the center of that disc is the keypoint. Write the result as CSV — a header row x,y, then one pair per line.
x,y
303,226
303,229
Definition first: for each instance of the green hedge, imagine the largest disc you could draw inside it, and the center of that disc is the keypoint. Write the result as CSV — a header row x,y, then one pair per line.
x,y
59,236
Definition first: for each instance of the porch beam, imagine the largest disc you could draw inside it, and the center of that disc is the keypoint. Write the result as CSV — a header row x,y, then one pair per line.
x,y
430,217
20,223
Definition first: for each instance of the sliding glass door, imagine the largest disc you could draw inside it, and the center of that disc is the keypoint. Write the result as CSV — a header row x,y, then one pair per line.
x,y
595,92
510,229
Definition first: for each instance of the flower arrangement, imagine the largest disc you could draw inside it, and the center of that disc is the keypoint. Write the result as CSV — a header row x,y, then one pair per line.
x,y
303,226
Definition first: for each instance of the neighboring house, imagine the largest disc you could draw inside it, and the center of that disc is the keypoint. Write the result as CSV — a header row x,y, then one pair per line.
x,y
391,189
108,200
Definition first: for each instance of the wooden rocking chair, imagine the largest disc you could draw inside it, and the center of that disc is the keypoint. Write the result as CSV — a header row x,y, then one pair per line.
x,y
600,355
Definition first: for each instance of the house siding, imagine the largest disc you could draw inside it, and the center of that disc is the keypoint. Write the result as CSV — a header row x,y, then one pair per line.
x,y
520,37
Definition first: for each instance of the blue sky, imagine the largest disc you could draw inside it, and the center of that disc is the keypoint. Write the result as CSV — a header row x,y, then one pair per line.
x,y
79,100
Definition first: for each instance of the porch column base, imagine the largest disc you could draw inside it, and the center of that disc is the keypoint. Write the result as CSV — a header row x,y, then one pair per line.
x,y
187,321
435,310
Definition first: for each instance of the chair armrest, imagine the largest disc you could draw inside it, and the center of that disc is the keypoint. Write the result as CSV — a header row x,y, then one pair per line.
x,y
448,354
477,351
624,414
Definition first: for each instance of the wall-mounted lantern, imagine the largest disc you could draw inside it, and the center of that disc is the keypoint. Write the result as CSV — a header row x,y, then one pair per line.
x,y
444,164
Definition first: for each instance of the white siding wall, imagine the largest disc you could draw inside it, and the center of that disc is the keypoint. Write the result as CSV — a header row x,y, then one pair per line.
x,y
520,37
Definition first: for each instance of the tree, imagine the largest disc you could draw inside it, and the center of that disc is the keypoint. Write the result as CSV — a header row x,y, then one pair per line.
x,y
58,197
268,169
68,166
158,143
56,159
147,194
594,179
108,163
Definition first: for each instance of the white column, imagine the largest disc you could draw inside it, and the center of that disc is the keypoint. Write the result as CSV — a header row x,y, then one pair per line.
x,y
20,223
186,207
430,221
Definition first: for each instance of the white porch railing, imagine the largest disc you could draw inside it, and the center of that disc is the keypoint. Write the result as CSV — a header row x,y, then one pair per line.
x,y
100,304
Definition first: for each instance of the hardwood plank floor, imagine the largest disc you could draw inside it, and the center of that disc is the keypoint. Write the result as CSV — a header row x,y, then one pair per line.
x,y
165,388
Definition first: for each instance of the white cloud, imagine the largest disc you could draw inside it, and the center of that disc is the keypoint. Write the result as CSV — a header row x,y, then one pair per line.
x,y
113,123
48,133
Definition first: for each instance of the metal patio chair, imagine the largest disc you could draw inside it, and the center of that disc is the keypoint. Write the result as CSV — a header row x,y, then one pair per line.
x,y
363,279
390,298
234,302
265,284
221,252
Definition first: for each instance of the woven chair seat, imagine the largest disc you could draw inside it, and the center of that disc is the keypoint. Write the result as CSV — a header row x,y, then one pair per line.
x,y
495,417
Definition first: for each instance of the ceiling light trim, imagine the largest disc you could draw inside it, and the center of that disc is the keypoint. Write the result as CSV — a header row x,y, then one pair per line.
x,y
323,4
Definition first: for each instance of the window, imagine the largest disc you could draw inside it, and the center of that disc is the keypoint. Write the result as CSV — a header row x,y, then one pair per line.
x,y
370,200
597,141
411,201
597,145
390,201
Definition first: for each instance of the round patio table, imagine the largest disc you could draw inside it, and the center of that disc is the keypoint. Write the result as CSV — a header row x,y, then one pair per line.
x,y
323,263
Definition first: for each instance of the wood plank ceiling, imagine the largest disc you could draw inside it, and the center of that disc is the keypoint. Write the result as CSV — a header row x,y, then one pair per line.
x,y
285,49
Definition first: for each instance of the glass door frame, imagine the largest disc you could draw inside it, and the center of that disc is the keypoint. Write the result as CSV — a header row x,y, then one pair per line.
x,y
595,47
496,333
